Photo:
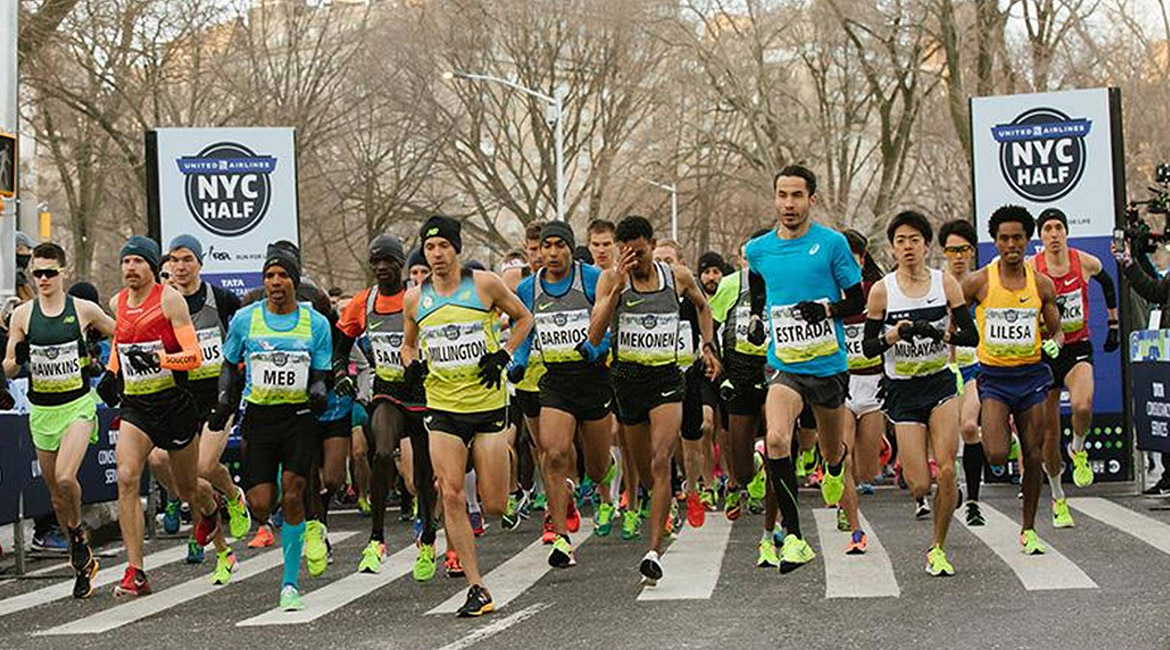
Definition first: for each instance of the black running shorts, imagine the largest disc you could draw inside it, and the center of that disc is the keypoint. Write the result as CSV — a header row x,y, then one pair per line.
x,y
638,389
466,426
580,391
169,418
278,436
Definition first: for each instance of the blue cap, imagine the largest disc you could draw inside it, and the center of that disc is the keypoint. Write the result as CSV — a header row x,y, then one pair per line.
x,y
190,243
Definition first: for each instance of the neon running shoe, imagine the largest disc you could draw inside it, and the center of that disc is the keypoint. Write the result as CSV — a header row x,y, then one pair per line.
x,y
372,557
696,513
316,553
573,517
1082,472
424,564
207,527
833,487
171,519
478,603
758,486
650,568
631,525
511,518
540,501
708,498
547,532
1061,517
524,506
451,565
290,599
732,505
561,556
767,558
806,462
795,554
239,519
225,566
644,506
83,586
1031,543
815,477
134,583
842,520
603,523
363,506
263,538
1014,451
674,519
974,514
857,543
194,551
937,564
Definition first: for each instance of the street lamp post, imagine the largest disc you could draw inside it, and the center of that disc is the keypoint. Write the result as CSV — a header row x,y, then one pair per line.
x,y
673,189
556,105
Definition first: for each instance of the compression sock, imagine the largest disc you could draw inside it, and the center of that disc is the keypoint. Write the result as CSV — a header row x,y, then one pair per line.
x,y
292,541
782,474
973,469
1054,484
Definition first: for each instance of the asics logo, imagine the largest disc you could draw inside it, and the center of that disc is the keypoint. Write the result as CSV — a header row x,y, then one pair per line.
x,y
814,249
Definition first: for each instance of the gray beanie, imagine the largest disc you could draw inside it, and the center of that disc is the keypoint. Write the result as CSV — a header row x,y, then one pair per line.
x,y
190,243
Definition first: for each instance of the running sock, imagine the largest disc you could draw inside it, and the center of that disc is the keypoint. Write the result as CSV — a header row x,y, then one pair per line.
x,y
1078,442
973,469
782,474
835,470
615,485
1054,484
292,541
469,486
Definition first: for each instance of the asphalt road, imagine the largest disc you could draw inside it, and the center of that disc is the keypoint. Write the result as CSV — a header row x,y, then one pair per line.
x,y
1105,585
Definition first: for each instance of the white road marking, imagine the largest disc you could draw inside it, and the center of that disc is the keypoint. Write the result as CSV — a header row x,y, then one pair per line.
x,y
870,575
1145,529
1036,572
691,564
517,575
495,627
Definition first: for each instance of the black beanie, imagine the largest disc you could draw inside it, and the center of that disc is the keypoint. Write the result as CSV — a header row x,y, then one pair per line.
x,y
143,247
1050,214
441,226
709,259
558,229
415,259
85,291
285,260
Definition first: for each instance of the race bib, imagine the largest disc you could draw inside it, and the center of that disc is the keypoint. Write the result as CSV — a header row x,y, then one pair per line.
x,y
147,380
211,345
856,359
455,348
559,333
686,344
648,339
920,357
387,347
797,341
55,368
1072,310
1010,332
279,377
743,317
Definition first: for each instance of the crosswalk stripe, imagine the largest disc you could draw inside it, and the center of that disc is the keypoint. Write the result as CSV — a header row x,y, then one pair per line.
x,y
870,575
339,593
516,575
104,577
1143,528
1036,572
140,608
691,564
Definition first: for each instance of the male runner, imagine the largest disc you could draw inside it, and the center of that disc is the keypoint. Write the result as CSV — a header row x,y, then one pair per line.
x,y
1070,270
638,302
600,236
711,269
574,391
286,351
49,334
800,270
912,317
959,243
154,340
452,316
397,407
1012,301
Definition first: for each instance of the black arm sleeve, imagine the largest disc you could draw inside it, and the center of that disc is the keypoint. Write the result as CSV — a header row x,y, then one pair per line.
x,y
342,346
230,386
965,334
851,305
758,292
1147,287
1107,288
874,342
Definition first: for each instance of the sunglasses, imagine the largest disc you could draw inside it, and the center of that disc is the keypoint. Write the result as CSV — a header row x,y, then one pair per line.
x,y
958,250
46,273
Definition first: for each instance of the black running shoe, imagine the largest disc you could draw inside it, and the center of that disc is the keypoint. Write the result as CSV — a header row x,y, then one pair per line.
x,y
1159,489
974,515
83,586
479,602
79,554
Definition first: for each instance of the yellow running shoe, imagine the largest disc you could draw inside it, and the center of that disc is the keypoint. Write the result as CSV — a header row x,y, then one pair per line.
x,y
1061,517
225,566
372,557
937,564
795,554
1031,543
316,553
833,487
424,564
1082,473
767,558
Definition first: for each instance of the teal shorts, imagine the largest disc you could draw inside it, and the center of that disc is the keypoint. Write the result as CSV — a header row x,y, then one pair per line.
x,y
48,424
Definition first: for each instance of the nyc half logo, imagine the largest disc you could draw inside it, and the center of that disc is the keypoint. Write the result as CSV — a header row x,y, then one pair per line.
x,y
228,187
1042,153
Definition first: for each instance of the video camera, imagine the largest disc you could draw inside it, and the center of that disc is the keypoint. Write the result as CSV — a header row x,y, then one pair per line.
x,y
1142,237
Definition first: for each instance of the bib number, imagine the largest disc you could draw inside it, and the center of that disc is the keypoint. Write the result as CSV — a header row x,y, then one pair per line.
x,y
455,348
1072,311
648,339
387,348
797,341
279,377
211,345
559,333
686,345
55,368
1010,332
743,318
148,380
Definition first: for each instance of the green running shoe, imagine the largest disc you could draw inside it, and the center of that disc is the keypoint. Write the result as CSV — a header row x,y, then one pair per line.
x,y
631,525
194,551
1061,517
758,485
1082,473
363,506
755,506
732,505
424,564
561,556
1031,543
1014,451
540,502
172,516
644,506
225,566
806,462
795,554
603,524
707,497
511,518
239,519
372,557
833,487
290,599
937,564
767,558
842,521
316,553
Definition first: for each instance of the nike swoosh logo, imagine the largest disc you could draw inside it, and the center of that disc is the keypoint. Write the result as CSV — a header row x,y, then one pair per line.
x,y
930,300
669,393
498,424
544,306
607,403
1023,299
635,303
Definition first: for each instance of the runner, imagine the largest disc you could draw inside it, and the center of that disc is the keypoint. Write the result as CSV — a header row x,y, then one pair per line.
x,y
1070,270
800,271
396,407
154,340
711,269
285,349
574,391
452,315
1012,301
912,317
638,302
600,234
49,335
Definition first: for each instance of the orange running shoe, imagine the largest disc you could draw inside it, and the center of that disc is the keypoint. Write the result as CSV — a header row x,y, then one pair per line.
x,y
263,538
451,565
548,533
696,512
857,543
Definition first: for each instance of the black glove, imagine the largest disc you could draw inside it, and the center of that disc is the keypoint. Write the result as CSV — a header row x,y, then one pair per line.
x,y
516,373
108,390
141,360
812,312
415,372
343,383
219,417
756,334
7,401
491,368
924,330
906,332
21,353
1113,338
